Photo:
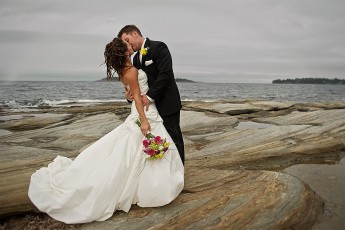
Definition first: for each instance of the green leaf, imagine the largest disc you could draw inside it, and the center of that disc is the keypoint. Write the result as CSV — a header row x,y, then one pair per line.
x,y
137,121
149,135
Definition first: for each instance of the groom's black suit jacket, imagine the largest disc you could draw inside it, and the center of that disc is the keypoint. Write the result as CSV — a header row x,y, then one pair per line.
x,y
157,64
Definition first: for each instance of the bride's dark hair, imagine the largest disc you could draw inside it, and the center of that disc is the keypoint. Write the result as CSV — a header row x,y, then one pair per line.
x,y
115,57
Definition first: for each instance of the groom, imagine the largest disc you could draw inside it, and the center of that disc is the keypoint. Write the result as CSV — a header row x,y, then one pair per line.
x,y
154,58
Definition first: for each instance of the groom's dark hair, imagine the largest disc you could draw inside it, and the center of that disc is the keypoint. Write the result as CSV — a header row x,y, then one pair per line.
x,y
128,29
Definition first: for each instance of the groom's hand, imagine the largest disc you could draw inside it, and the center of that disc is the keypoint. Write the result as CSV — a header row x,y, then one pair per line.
x,y
146,101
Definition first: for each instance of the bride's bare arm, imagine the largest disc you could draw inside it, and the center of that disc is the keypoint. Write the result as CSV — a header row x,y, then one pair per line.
x,y
130,78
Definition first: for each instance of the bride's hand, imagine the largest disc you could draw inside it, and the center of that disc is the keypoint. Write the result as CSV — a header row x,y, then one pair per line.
x,y
145,127
146,101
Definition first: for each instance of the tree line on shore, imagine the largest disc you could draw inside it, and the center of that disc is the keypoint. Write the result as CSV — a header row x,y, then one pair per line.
x,y
310,81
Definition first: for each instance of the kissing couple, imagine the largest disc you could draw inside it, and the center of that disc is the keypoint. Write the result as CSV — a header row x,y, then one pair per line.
x,y
114,172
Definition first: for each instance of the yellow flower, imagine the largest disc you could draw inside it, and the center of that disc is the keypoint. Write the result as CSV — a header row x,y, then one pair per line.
x,y
158,156
143,51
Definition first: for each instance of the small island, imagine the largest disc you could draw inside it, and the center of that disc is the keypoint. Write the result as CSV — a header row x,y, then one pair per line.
x,y
334,81
183,80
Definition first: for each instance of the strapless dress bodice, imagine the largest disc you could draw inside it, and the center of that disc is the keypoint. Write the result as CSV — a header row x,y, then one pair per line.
x,y
142,79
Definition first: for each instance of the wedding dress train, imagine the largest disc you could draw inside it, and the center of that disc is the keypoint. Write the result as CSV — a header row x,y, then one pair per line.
x,y
111,174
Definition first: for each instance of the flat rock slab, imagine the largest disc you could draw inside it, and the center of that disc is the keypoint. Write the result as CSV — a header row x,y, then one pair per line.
x,y
239,107
227,182
33,121
215,199
219,199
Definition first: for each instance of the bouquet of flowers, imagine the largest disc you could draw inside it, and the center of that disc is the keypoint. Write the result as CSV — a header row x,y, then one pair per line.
x,y
154,146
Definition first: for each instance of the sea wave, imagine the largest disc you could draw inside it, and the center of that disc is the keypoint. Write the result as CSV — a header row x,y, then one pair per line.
x,y
19,95
41,103
44,103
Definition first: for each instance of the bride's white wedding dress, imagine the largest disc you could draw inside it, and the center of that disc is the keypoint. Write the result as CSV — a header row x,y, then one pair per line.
x,y
111,174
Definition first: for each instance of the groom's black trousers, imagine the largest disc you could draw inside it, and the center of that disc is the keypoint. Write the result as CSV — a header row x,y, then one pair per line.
x,y
172,125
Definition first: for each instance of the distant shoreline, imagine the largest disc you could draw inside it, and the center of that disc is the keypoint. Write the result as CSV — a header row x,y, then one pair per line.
x,y
334,81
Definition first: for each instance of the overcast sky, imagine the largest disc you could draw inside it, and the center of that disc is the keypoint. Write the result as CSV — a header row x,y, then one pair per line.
x,y
210,40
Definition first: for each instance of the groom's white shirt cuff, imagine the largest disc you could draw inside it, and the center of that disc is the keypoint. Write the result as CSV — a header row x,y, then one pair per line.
x,y
150,99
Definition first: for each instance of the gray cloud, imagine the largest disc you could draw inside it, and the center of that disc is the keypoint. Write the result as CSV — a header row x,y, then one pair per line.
x,y
229,41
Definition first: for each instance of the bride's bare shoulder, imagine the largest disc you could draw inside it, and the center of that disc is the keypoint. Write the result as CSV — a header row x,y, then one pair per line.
x,y
130,74
131,70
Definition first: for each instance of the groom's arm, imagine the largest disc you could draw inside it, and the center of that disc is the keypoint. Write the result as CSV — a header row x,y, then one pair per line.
x,y
162,59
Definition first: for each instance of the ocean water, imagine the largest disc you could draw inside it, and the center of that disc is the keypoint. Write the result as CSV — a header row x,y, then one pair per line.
x,y
31,94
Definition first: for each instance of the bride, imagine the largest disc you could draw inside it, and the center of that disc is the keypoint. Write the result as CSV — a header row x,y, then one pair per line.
x,y
114,172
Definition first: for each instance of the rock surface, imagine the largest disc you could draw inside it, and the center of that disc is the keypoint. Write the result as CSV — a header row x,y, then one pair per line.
x,y
233,176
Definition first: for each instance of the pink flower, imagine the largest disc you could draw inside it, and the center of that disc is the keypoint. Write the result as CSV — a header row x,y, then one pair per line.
x,y
146,143
158,140
150,152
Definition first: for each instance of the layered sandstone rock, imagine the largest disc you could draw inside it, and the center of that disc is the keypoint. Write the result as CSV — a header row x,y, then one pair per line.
x,y
232,174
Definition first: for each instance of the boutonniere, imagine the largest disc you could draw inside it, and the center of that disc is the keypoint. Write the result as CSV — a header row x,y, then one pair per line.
x,y
144,51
